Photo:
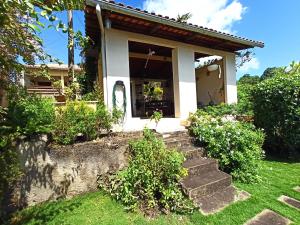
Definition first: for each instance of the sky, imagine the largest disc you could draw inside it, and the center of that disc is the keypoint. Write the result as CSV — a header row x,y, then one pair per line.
x,y
275,22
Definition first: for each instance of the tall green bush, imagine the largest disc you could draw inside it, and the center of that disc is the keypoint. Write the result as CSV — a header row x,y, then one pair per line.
x,y
277,111
29,114
151,180
77,118
236,145
74,119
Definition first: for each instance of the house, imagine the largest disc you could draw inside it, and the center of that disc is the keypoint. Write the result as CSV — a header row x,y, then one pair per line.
x,y
135,51
43,85
34,83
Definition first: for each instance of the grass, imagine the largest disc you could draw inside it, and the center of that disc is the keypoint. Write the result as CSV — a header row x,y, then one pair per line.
x,y
279,178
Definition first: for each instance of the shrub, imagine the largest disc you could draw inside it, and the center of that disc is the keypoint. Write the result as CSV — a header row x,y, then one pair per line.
x,y
29,114
77,118
9,162
74,119
245,99
156,116
277,111
218,110
151,179
236,145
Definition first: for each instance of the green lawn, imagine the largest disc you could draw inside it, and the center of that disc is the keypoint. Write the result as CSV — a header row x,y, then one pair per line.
x,y
278,178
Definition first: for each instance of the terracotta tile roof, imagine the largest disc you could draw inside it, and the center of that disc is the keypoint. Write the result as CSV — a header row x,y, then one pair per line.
x,y
201,29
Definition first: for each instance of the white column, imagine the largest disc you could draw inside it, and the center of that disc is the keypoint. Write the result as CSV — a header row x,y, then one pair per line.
x,y
185,94
230,79
117,56
62,80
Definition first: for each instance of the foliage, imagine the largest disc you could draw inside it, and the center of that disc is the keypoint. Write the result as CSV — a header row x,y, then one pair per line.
x,y
236,145
271,72
277,111
72,90
29,114
218,110
156,116
151,180
58,86
105,119
248,79
74,119
95,95
20,44
153,91
243,57
245,99
77,118
246,85
9,166
184,18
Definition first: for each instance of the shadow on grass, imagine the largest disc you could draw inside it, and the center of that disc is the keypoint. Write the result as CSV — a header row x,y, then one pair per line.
x,y
283,159
42,214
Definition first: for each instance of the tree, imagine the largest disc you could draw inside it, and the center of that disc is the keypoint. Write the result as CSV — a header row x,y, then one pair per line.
x,y
184,17
271,72
20,23
248,79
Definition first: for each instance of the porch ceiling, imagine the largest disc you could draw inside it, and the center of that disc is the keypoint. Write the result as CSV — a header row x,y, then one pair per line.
x,y
134,20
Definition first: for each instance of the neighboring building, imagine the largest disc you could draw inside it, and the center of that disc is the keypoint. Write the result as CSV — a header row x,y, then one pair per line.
x,y
133,48
35,83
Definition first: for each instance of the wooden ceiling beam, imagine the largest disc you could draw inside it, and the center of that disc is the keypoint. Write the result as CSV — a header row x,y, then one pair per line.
x,y
153,57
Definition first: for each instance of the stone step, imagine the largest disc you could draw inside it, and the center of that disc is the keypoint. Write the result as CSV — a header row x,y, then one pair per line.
x,y
175,134
178,143
199,166
217,201
205,184
268,217
193,153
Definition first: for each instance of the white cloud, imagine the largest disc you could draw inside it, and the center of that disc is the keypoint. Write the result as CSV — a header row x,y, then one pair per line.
x,y
251,65
216,14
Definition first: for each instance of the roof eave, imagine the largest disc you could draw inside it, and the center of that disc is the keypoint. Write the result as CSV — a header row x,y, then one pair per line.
x,y
154,18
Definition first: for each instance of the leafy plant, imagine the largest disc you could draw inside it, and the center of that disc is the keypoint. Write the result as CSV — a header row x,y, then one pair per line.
x,y
29,114
151,180
277,111
153,91
77,118
218,110
58,86
236,145
72,91
156,116
74,119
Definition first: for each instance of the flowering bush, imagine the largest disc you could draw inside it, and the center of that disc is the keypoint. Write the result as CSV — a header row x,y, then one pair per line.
x,y
236,145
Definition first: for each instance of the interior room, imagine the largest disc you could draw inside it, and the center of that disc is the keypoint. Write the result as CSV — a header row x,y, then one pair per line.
x,y
151,80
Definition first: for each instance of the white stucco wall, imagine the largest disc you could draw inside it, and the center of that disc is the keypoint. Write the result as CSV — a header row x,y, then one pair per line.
x,y
117,56
210,83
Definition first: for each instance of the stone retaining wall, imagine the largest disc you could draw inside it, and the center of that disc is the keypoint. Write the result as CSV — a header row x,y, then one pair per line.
x,y
53,172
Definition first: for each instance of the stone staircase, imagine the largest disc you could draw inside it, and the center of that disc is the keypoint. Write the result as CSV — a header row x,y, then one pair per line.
x,y
209,188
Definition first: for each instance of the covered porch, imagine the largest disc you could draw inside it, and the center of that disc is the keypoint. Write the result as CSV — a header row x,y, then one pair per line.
x,y
156,61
